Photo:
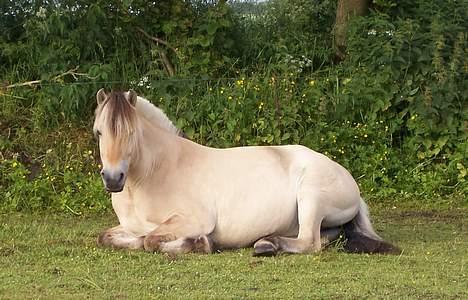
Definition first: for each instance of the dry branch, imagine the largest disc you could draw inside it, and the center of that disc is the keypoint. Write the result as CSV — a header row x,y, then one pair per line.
x,y
71,72
156,39
168,66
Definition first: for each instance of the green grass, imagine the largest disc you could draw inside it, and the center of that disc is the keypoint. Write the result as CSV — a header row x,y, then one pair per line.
x,y
54,257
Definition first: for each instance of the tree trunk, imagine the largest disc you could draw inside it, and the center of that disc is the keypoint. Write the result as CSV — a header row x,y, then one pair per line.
x,y
344,11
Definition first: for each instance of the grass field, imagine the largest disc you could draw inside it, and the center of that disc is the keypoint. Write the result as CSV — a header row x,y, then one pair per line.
x,y
52,256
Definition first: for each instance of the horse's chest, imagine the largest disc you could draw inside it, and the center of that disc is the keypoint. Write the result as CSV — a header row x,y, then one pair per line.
x,y
138,212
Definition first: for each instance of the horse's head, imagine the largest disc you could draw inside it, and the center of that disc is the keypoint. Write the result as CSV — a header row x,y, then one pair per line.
x,y
115,127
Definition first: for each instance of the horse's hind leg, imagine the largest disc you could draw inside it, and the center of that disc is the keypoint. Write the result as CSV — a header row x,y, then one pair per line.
x,y
308,239
118,238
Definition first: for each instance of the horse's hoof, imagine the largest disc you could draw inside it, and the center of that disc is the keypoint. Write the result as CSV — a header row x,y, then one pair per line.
x,y
152,243
104,239
202,244
265,248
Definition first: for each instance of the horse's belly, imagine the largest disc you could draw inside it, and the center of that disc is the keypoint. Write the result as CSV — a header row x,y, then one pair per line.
x,y
245,221
340,217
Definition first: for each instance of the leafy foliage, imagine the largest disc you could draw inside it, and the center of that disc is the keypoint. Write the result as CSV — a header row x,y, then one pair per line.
x,y
393,112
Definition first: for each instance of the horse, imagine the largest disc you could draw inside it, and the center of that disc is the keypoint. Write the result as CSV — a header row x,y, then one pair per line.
x,y
172,195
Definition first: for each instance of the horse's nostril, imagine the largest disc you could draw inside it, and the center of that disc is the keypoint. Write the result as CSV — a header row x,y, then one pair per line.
x,y
121,176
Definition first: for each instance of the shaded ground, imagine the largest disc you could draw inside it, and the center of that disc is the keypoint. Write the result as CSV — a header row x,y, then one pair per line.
x,y
54,256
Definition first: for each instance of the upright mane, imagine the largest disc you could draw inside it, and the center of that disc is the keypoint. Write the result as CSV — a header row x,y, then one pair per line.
x,y
155,115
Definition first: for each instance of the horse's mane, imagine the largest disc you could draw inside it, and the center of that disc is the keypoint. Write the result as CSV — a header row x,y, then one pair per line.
x,y
121,120
155,115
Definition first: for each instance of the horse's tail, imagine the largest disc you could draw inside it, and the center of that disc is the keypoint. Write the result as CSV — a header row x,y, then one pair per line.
x,y
361,237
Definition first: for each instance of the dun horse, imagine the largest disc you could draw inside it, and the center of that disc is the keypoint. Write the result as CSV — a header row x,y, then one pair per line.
x,y
175,196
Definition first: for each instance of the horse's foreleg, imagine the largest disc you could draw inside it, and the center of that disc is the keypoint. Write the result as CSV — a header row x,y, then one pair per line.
x,y
308,239
178,235
201,244
117,237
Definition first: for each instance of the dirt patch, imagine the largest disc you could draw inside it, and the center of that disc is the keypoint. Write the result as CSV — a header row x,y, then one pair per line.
x,y
449,215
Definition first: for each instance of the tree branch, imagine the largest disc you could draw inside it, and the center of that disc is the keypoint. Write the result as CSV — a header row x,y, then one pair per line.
x,y
168,66
167,63
71,72
156,39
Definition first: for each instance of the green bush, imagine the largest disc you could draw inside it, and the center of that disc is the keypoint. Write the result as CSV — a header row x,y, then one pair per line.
x,y
393,112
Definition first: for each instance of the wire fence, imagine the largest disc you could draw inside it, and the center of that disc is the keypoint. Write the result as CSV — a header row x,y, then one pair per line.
x,y
160,80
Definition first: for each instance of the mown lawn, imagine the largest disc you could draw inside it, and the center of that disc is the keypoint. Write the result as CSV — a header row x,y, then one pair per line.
x,y
53,256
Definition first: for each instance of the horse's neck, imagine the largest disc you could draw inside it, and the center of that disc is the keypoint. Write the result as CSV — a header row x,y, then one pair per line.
x,y
158,149
154,115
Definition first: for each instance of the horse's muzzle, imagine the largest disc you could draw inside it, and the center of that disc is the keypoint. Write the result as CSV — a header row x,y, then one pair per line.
x,y
113,182
114,189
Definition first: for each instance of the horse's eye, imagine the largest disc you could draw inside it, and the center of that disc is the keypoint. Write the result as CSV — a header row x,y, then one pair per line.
x,y
97,134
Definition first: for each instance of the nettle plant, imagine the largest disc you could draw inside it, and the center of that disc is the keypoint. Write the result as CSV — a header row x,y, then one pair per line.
x,y
416,70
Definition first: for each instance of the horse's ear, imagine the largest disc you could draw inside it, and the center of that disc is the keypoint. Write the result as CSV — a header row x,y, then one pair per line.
x,y
101,96
132,97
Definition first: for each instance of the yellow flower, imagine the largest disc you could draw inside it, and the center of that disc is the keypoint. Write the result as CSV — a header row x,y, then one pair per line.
x,y
312,82
14,164
230,97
